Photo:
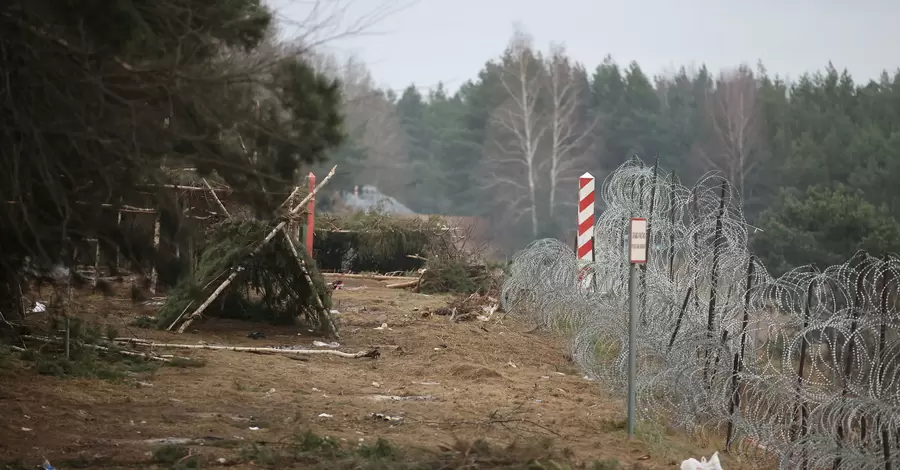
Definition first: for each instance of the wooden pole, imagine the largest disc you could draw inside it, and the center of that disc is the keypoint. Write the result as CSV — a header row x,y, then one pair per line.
x,y
68,340
687,298
212,297
714,279
205,189
294,225
216,197
154,275
119,228
267,239
324,314
290,199
311,214
96,261
737,365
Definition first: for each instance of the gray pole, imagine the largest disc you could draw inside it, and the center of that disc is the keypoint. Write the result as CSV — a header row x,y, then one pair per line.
x,y
632,344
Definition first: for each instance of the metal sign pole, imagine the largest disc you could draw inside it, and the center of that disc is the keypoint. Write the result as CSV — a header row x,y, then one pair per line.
x,y
638,248
632,344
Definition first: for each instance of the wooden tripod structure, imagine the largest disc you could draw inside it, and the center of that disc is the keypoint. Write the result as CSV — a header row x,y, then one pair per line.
x,y
323,313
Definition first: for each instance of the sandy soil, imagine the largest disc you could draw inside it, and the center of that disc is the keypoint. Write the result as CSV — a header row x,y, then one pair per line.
x,y
494,380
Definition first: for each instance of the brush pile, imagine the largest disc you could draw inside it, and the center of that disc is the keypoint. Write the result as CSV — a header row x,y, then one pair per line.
x,y
459,275
468,308
376,242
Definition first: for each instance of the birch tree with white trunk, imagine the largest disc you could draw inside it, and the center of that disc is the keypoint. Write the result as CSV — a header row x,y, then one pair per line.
x,y
515,132
570,131
735,123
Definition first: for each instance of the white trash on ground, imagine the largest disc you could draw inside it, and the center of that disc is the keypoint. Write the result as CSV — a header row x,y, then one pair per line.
x,y
702,464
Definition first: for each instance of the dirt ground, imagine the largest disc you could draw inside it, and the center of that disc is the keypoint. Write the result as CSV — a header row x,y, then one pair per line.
x,y
496,380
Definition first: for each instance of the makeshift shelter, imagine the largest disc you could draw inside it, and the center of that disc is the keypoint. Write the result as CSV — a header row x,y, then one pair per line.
x,y
253,267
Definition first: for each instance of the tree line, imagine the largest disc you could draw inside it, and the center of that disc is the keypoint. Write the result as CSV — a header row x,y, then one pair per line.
x,y
814,158
96,112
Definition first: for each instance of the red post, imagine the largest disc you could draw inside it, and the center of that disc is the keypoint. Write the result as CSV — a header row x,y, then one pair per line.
x,y
311,215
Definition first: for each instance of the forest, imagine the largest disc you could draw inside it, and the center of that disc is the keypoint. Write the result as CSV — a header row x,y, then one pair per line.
x,y
93,112
812,158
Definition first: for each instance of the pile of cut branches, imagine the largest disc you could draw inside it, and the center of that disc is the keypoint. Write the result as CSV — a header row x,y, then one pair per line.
x,y
468,308
445,274
458,275
377,242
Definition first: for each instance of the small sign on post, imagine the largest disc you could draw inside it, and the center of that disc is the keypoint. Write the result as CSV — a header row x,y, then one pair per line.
x,y
638,244
637,254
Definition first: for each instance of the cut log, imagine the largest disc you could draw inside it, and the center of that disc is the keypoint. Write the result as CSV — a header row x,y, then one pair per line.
x,y
403,285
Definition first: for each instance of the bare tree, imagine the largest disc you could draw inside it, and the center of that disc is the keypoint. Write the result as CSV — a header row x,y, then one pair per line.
x,y
515,132
734,119
372,121
314,23
372,124
570,132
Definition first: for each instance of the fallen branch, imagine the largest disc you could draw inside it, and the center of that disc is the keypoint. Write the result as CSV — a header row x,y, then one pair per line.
x,y
494,418
373,353
180,316
140,341
101,348
129,209
372,277
216,197
128,353
403,285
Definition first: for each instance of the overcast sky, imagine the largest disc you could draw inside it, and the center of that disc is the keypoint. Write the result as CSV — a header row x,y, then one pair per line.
x,y
449,40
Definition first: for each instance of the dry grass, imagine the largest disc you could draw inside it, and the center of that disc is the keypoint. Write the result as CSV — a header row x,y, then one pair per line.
x,y
489,385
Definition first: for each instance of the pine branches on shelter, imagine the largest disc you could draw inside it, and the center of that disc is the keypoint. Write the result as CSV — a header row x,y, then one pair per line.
x,y
271,285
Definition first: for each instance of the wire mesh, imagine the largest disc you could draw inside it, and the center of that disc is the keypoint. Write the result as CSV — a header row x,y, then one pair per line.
x,y
805,364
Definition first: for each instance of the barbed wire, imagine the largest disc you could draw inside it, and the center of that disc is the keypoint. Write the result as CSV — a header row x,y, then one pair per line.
x,y
805,364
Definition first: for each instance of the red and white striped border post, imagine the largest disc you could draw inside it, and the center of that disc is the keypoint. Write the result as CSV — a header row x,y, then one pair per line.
x,y
585,245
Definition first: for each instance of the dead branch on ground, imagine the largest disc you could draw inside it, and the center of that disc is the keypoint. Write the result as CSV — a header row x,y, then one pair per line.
x,y
105,349
495,417
373,353
371,277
